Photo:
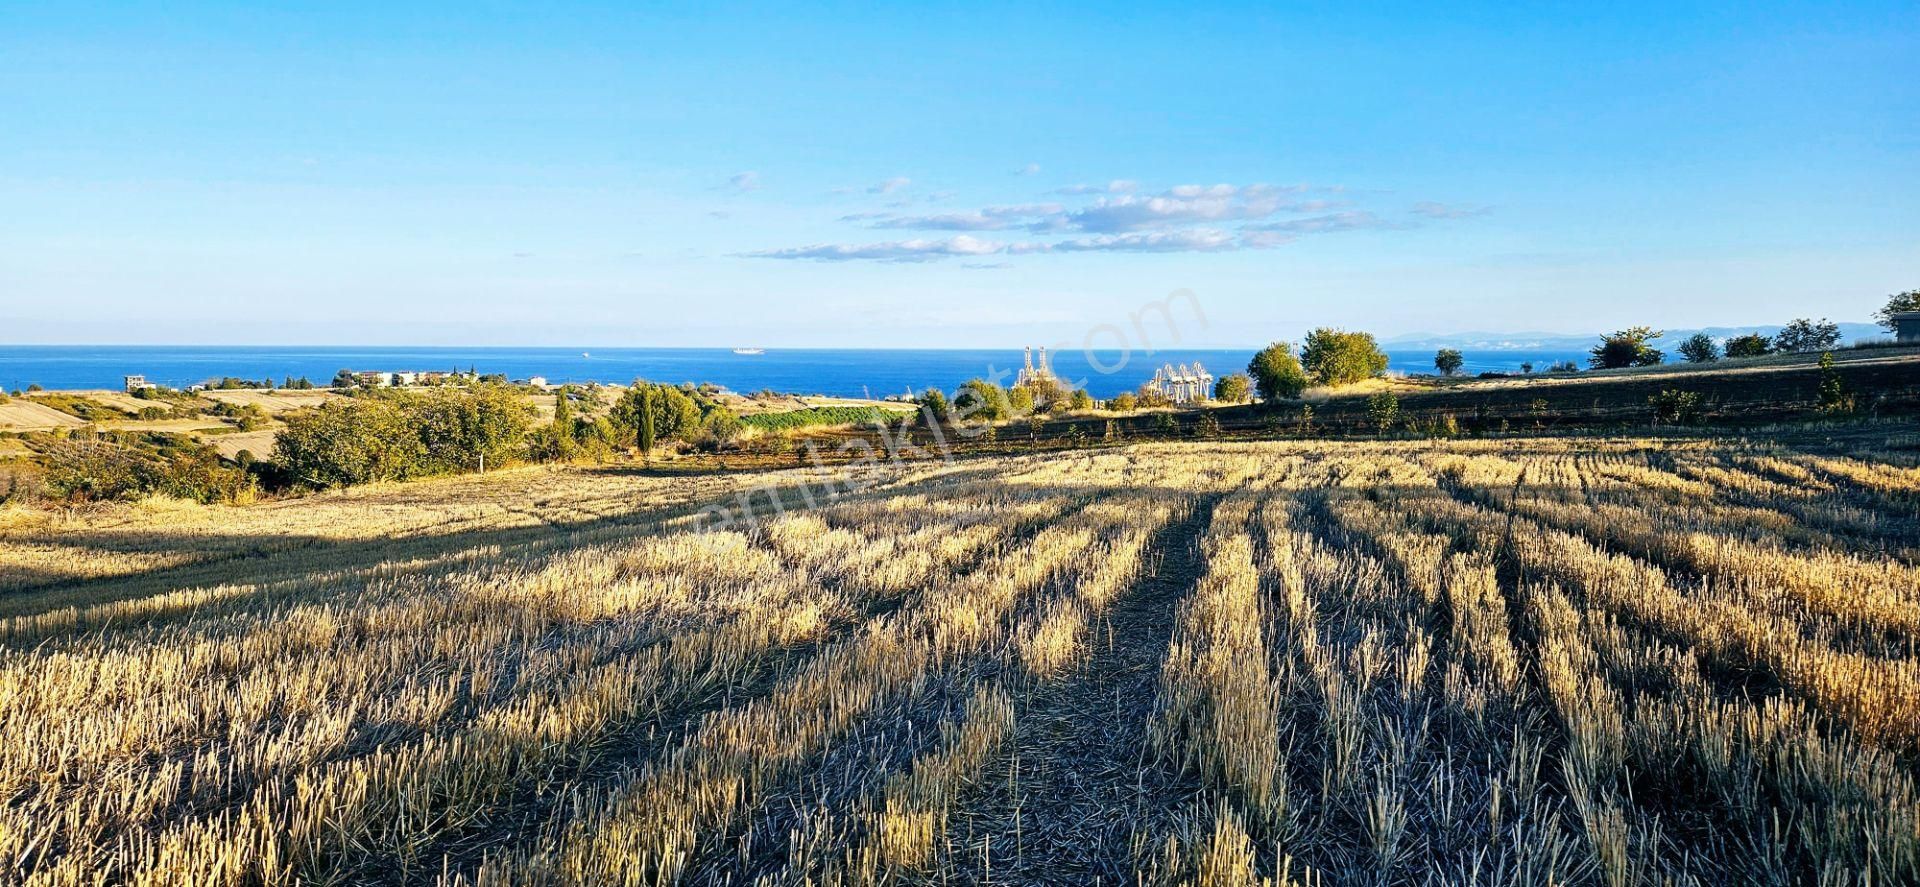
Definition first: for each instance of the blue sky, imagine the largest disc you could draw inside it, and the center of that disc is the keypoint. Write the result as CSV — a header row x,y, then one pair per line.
x,y
966,175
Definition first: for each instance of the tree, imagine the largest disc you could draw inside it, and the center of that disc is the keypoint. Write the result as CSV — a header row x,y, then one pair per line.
x,y
1897,303
1627,348
96,468
1383,409
1233,388
460,430
1700,348
675,414
1675,407
721,428
1338,357
644,423
982,400
1044,394
556,441
1749,345
1564,366
1080,400
1123,402
1151,398
1020,400
1834,397
346,442
345,379
934,406
1277,373
1803,335
1448,361
1527,367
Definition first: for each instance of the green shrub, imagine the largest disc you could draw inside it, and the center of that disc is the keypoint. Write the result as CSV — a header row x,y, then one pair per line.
x,y
1277,373
934,406
1700,348
1020,400
1338,357
347,442
1749,345
1383,409
1151,398
1834,396
1804,335
97,469
1233,388
106,468
398,435
1627,348
1675,407
982,400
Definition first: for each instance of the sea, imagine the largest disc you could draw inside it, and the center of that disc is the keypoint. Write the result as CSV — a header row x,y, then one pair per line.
x,y
839,372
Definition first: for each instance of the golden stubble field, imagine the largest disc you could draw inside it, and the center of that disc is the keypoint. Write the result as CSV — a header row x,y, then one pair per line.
x,y
1521,662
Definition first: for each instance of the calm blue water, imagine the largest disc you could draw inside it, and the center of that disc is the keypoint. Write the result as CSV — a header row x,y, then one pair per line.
x,y
840,372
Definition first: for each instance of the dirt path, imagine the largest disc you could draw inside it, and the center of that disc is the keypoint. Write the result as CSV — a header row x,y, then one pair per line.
x,y
1078,783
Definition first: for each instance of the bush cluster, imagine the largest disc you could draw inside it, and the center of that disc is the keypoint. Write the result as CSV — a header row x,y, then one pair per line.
x,y
109,467
395,435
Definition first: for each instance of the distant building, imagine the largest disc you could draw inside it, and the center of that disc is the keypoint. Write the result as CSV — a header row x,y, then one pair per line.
x,y
374,379
1906,326
538,381
1183,383
138,383
1032,372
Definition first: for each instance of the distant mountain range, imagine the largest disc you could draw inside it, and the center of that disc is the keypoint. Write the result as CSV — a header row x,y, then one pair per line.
x,y
1538,341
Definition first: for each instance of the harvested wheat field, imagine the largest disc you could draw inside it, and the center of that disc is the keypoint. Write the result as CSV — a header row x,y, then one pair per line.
x,y
1514,662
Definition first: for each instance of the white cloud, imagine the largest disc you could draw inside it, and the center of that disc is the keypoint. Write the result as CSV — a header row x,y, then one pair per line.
x,y
1204,240
745,181
1117,186
1183,218
1031,169
1433,210
1266,239
1351,220
918,250
1180,205
991,218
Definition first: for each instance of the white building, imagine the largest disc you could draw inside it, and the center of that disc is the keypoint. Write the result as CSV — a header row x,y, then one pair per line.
x,y
1032,372
1183,383
138,383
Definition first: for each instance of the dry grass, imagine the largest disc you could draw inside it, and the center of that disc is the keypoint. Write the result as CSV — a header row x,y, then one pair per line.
x,y
1572,661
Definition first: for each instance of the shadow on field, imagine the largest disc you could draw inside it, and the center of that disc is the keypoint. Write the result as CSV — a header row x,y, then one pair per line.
x,y
297,559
